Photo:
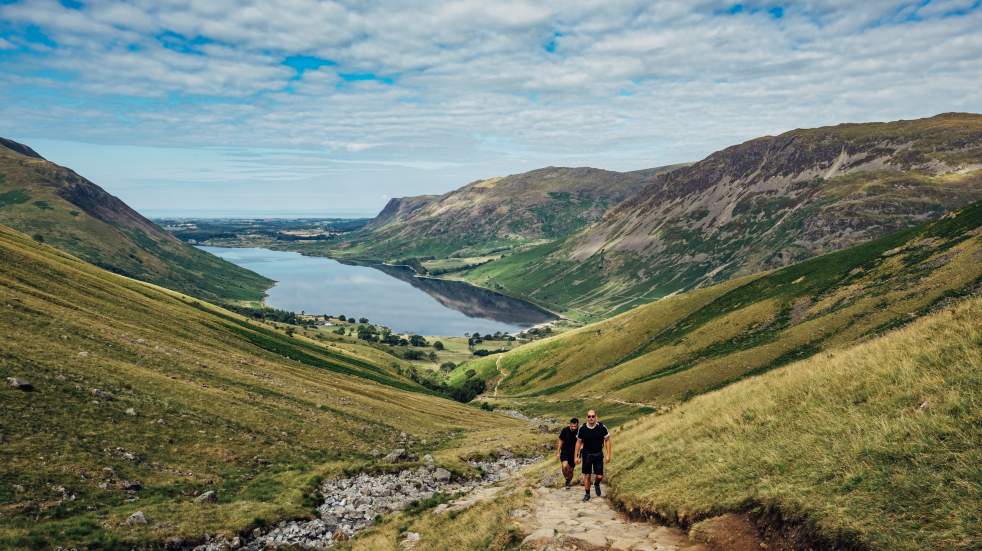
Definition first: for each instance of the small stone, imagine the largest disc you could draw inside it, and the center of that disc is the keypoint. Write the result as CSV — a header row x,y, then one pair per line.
x,y
211,496
542,536
409,541
131,412
103,395
20,384
428,459
131,485
136,519
544,428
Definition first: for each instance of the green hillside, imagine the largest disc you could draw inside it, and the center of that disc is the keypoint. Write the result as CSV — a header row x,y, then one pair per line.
x,y
687,344
142,398
760,205
57,206
875,446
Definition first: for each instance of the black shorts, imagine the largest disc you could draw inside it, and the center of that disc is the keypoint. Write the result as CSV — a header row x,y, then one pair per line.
x,y
593,463
567,458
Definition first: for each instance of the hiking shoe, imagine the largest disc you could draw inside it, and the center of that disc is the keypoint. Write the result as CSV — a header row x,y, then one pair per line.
x,y
596,487
586,497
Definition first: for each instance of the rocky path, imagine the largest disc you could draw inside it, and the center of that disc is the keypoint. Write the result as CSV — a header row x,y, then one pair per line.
x,y
558,520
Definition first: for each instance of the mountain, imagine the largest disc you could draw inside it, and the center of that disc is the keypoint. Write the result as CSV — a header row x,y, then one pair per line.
x,y
670,350
57,206
490,216
760,205
144,398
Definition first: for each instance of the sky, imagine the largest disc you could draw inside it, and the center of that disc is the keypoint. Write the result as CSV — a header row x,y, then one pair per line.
x,y
309,106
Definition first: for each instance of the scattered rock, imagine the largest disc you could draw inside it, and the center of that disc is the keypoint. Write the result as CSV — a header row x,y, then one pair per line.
x,y
83,354
211,496
136,519
544,428
131,485
131,412
20,384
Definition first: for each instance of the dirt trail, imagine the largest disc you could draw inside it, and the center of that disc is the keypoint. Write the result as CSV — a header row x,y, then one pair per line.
x,y
559,520
501,374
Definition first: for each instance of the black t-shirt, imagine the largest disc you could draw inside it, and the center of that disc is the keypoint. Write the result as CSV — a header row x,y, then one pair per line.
x,y
568,438
593,439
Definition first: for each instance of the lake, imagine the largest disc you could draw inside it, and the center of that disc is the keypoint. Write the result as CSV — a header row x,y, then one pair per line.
x,y
387,295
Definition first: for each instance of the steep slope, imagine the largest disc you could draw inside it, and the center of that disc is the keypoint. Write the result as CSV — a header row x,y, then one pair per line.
x,y
875,446
491,215
143,398
694,342
56,205
759,205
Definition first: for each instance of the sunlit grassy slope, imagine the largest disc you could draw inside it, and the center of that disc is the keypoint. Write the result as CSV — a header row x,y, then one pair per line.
x,y
54,204
878,444
217,403
697,341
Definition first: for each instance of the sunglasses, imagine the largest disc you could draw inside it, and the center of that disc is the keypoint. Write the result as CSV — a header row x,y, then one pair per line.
x,y
591,416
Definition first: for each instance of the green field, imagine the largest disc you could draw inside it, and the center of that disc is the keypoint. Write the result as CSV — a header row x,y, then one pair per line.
x,y
136,383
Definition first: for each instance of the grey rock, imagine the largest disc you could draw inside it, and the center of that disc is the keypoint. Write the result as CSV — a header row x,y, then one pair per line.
x,y
211,496
20,384
131,412
136,519
102,394
441,475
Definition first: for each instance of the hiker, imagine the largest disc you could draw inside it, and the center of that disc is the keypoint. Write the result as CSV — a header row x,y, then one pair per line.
x,y
565,448
592,439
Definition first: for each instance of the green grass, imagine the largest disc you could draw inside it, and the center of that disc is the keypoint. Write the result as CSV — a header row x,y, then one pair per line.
x,y
681,346
874,446
220,403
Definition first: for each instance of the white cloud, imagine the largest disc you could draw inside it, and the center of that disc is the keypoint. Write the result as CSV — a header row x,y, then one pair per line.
x,y
617,83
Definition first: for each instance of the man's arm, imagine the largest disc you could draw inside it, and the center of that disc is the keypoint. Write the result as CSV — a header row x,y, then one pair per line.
x,y
576,454
559,447
607,445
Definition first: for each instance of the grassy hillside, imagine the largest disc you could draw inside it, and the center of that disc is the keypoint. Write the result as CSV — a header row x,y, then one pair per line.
x,y
57,206
763,204
144,398
690,343
876,446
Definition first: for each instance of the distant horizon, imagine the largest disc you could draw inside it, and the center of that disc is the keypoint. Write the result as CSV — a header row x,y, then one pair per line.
x,y
283,214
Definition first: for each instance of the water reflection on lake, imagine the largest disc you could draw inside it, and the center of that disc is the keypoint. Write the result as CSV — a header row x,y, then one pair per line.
x,y
391,296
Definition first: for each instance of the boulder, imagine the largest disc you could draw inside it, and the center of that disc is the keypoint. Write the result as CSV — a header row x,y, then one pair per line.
x,y
20,384
409,541
441,475
136,519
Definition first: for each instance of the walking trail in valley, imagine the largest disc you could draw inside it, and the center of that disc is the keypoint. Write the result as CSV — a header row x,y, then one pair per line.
x,y
558,520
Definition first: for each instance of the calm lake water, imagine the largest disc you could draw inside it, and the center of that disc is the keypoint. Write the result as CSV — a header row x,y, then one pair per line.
x,y
393,297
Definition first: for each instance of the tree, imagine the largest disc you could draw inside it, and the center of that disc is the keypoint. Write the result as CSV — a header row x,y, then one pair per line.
x,y
363,320
412,354
417,340
342,318
447,367
438,345
432,356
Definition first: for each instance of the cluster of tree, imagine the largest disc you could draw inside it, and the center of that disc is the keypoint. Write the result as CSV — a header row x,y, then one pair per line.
x,y
482,353
477,338
351,319
268,314
419,355
464,393
537,332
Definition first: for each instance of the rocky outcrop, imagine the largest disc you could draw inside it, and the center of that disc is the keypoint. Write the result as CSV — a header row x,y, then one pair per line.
x,y
352,504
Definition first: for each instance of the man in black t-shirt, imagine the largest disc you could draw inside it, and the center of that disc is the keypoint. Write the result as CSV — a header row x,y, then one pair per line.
x,y
565,448
592,439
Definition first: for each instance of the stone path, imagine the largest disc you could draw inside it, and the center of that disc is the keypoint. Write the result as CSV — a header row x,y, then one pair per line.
x,y
558,520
